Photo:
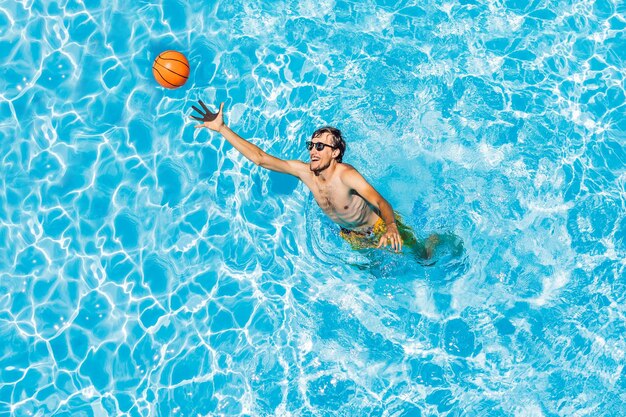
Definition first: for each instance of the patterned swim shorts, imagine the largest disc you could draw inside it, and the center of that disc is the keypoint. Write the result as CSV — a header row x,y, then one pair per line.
x,y
369,238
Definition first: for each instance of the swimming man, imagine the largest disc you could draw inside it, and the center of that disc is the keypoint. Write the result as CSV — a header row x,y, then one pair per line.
x,y
338,188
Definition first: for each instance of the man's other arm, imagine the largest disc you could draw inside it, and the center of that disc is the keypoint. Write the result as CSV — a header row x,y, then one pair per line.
x,y
355,181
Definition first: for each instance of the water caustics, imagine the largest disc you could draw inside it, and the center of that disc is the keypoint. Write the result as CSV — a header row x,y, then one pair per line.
x,y
148,269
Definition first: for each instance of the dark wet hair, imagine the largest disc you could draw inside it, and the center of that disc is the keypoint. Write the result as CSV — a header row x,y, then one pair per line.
x,y
338,140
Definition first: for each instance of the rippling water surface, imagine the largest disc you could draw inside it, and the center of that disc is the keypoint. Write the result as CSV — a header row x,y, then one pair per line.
x,y
148,269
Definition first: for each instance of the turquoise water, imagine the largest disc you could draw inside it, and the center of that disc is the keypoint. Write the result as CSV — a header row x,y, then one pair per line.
x,y
147,269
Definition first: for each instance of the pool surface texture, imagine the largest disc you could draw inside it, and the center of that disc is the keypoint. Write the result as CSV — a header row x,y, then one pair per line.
x,y
148,269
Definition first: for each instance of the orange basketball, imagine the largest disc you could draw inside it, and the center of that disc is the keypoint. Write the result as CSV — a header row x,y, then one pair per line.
x,y
171,69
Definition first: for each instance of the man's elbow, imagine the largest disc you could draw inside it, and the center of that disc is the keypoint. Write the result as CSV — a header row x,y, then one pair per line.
x,y
268,161
261,159
383,203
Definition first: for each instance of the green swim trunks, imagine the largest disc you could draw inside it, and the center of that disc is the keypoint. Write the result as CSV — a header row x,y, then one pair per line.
x,y
370,237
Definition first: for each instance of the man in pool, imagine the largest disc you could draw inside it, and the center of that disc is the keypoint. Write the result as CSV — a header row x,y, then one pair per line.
x,y
365,217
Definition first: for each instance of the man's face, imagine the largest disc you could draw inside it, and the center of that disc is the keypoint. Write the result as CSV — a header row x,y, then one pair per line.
x,y
321,159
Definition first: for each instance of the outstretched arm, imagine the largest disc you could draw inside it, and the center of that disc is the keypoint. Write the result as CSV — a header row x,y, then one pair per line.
x,y
354,180
215,122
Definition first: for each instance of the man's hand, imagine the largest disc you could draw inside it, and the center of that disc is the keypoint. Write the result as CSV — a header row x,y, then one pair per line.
x,y
214,121
391,237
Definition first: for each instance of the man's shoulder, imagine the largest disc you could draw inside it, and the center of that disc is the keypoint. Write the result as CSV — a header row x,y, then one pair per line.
x,y
299,168
297,164
349,175
346,169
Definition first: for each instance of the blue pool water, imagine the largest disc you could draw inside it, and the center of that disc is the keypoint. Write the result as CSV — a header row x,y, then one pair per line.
x,y
147,269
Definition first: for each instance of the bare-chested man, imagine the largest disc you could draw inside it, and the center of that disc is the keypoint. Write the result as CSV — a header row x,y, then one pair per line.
x,y
341,192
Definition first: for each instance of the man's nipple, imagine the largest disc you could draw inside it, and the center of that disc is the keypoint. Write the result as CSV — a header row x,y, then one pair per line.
x,y
345,207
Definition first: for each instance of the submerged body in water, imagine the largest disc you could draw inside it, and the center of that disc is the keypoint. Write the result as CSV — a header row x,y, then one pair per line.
x,y
424,250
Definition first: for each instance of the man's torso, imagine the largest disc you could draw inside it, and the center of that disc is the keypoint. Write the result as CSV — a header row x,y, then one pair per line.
x,y
342,204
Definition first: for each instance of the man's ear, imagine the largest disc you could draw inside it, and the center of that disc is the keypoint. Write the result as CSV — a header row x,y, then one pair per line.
x,y
336,153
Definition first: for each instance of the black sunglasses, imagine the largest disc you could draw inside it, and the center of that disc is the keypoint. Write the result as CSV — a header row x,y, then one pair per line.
x,y
319,146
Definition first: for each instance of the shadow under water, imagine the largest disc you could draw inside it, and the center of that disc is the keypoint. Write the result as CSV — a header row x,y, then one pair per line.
x,y
442,251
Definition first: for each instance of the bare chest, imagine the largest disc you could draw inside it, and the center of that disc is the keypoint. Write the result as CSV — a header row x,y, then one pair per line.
x,y
332,198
